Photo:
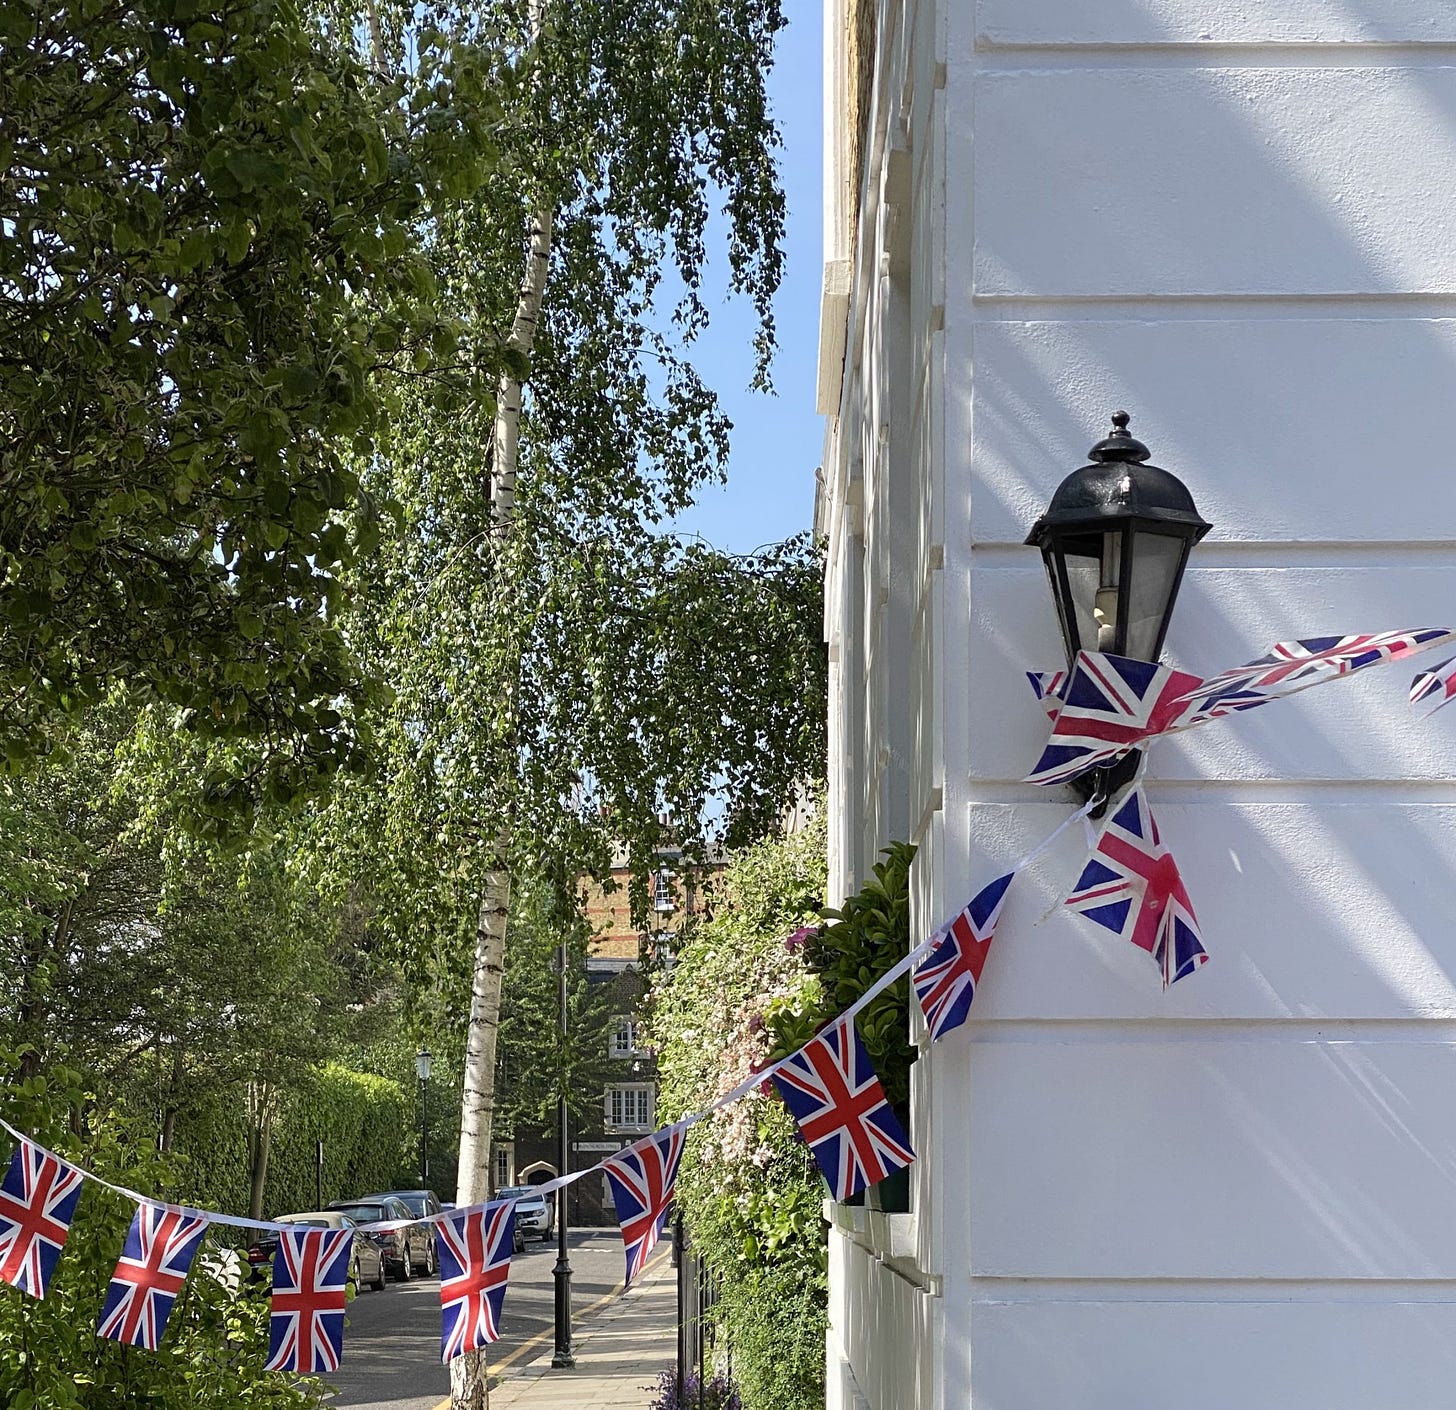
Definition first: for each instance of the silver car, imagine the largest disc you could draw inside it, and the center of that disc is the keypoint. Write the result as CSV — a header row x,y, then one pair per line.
x,y
366,1267
535,1212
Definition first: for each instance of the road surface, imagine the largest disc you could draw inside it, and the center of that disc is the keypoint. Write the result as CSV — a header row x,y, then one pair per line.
x,y
392,1341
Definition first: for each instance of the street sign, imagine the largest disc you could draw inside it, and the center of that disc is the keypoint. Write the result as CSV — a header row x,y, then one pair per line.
x,y
596,1145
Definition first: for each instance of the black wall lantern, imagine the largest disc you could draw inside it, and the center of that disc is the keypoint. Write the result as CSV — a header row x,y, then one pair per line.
x,y
1115,540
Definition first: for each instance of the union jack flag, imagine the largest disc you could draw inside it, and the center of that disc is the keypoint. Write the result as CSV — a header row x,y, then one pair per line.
x,y
1110,705
159,1249
1047,686
946,979
1132,886
642,1179
1290,666
1436,686
310,1287
475,1261
37,1203
840,1106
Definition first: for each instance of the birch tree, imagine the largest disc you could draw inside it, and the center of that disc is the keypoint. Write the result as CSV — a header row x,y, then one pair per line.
x,y
564,673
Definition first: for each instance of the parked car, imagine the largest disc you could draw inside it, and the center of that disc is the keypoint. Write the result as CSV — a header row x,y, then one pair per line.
x,y
406,1251
366,1268
424,1204
535,1213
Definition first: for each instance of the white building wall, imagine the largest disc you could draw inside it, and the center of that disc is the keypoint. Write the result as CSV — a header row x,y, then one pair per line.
x,y
1239,222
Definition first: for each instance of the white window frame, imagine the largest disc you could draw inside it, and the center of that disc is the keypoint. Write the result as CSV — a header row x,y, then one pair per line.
x,y
617,1049
630,1106
662,900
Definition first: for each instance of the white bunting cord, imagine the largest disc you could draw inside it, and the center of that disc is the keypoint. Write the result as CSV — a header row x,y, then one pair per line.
x,y
560,1182
1056,832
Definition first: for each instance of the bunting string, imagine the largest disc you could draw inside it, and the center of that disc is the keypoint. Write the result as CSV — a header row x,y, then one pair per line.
x,y
1100,710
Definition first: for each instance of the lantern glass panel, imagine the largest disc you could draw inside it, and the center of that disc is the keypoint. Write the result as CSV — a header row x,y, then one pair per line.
x,y
1093,567
1053,565
1157,560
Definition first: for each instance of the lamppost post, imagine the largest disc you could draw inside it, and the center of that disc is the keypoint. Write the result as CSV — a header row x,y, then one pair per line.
x,y
423,1059
561,1273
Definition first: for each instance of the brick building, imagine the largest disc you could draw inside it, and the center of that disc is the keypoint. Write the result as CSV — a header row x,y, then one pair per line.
x,y
628,1106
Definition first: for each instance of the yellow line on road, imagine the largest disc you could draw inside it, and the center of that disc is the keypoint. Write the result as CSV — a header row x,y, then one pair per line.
x,y
540,1337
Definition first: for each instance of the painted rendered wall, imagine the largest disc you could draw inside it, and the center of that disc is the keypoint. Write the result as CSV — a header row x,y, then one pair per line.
x,y
1239,222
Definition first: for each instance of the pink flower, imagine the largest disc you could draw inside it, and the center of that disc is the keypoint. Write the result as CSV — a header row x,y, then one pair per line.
x,y
797,939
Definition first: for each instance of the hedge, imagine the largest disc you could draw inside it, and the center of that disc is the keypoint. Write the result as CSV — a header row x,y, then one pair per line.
x,y
368,1125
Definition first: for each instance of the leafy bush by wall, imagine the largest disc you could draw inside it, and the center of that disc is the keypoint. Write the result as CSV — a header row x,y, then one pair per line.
x,y
854,947
748,1189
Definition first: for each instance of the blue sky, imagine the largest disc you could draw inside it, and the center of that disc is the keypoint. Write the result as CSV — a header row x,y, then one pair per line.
x,y
777,439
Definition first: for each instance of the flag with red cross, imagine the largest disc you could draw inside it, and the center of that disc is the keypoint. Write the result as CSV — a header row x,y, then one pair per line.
x,y
37,1203
154,1262
946,979
1131,885
310,1288
1434,688
1290,666
836,1097
1110,705
642,1178
1048,686
475,1261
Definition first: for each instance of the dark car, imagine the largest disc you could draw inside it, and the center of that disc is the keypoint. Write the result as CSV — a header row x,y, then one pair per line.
x,y
407,1251
423,1203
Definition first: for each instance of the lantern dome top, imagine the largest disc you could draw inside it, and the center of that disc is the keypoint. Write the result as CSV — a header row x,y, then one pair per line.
x,y
1120,484
1119,445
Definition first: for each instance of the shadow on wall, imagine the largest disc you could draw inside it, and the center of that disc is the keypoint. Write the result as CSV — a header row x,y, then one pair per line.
x,y
1206,173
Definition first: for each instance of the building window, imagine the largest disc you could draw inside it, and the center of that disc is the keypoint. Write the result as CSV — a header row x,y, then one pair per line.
x,y
662,891
624,1038
630,1108
503,1156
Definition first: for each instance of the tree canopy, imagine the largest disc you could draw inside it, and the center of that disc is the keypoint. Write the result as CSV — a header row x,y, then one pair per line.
x,y
212,273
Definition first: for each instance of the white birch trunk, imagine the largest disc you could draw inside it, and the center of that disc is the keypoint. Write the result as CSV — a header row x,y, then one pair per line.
x,y
468,1373
478,1104
508,396
468,1388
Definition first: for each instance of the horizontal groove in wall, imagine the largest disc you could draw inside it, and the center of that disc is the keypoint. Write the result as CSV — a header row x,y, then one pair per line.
x,y
994,57
1004,554
1236,792
1325,1032
992,1289
1215,307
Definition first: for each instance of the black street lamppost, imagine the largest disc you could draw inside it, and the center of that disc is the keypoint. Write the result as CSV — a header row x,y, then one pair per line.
x,y
423,1059
1115,540
561,1356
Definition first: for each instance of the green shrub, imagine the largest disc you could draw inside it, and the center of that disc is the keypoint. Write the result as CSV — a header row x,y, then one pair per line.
x,y
215,1343
367,1124
775,1321
748,1189
855,946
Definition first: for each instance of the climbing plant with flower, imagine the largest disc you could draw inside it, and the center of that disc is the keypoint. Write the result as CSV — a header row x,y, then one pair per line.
x,y
748,1189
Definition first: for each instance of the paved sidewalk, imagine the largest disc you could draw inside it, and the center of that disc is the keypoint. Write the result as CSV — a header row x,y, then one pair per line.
x,y
618,1357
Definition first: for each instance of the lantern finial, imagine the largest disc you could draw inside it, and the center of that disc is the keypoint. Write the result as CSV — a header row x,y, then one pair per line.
x,y
1120,445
